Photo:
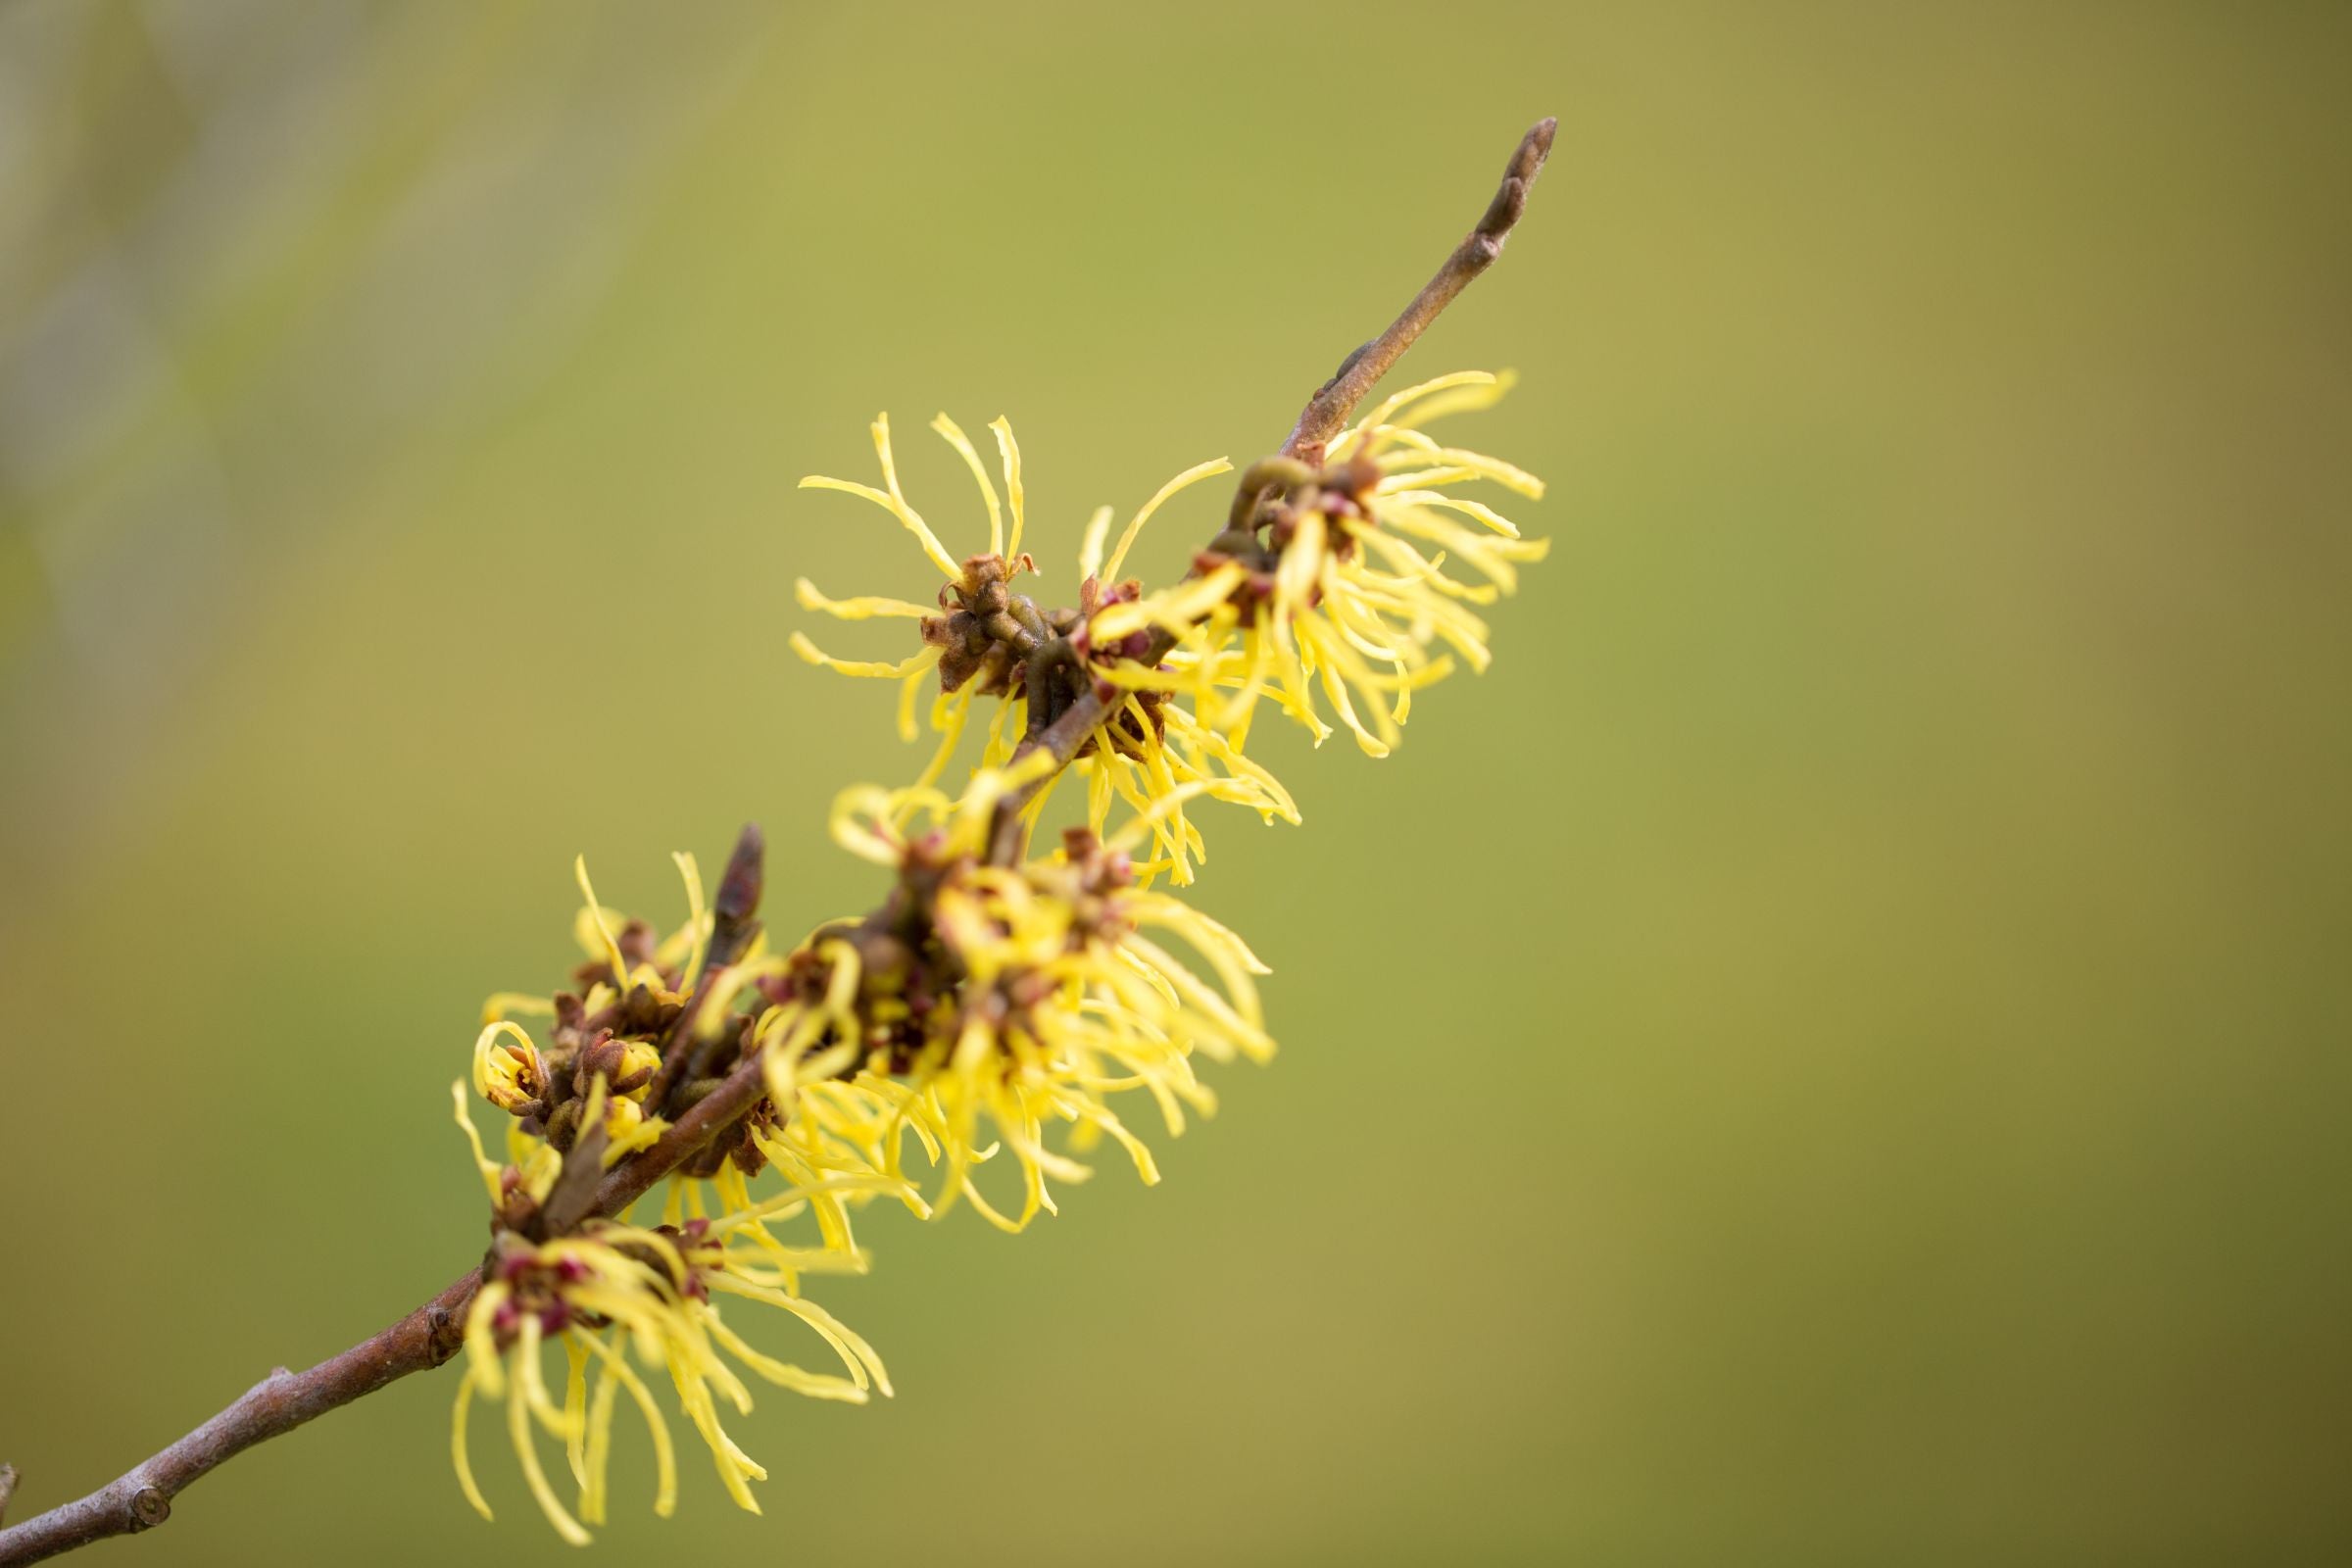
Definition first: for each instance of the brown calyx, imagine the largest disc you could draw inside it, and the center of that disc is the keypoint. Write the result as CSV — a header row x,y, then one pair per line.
x,y
1273,496
987,632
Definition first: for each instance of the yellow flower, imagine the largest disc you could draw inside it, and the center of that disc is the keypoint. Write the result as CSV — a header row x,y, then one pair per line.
x,y
602,1294
988,635
635,986
1071,997
1154,755
509,1073
1334,578
987,1004
640,986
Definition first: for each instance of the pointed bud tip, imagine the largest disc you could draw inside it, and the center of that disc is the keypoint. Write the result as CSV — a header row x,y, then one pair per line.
x,y
739,890
1535,147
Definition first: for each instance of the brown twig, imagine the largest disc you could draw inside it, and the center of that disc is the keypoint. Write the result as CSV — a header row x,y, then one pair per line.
x,y
141,1497
732,928
1326,414
711,1115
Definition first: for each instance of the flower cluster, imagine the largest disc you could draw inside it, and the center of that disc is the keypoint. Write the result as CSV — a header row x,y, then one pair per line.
x,y
1327,577
976,1009
983,1004
1334,578
975,1039
991,640
607,1290
601,1289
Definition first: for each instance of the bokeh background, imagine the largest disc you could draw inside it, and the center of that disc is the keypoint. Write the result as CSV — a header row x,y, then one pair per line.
x,y
1834,1052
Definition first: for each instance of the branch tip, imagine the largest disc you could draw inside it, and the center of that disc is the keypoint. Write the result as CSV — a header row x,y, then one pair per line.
x,y
739,890
1327,413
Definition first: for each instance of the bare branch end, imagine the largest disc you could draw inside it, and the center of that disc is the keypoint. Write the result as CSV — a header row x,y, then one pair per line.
x,y
1328,412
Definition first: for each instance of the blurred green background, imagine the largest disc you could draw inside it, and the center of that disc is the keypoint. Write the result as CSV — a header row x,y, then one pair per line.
x,y
1834,1052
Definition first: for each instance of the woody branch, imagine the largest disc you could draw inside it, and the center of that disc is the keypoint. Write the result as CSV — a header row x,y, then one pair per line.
x,y
142,1496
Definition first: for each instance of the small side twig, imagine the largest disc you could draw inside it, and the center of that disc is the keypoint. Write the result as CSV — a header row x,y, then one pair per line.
x,y
732,928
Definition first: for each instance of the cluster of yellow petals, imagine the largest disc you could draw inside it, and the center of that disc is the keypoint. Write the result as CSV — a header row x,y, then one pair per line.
x,y
1148,755
1071,996
1068,996
1362,608
612,1288
612,1291
1006,1027
508,1068
1361,613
